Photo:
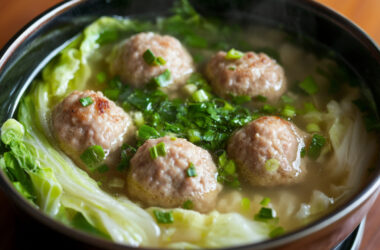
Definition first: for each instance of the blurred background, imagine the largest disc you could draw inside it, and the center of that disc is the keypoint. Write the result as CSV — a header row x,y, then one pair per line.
x,y
16,227
16,13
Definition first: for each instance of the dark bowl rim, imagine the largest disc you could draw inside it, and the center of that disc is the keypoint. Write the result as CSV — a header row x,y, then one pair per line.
x,y
343,210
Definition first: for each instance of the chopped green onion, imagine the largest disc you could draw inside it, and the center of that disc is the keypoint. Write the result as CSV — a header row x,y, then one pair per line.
x,y
138,118
149,57
276,232
264,214
188,204
101,77
189,89
309,85
198,58
92,156
265,201
146,132
196,41
312,127
158,150
160,60
198,80
268,109
191,172
161,149
227,171
163,80
103,168
152,60
309,107
245,204
112,94
232,68
200,96
261,98
288,111
272,165
287,99
230,167
115,83
241,99
303,152
233,54
228,106
222,160
194,135
126,154
163,217
86,101
153,152
316,145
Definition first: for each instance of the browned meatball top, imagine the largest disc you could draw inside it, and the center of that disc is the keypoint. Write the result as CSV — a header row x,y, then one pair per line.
x,y
268,138
134,70
252,74
165,182
101,123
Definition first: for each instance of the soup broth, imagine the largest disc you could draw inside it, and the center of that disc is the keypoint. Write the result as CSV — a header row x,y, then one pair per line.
x,y
319,100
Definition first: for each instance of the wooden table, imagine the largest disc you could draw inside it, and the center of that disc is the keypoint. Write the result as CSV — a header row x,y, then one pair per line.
x,y
16,13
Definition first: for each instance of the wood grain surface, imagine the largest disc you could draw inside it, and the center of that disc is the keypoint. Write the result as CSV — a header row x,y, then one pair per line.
x,y
14,14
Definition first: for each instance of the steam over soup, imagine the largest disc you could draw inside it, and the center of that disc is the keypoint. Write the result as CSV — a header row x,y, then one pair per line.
x,y
186,132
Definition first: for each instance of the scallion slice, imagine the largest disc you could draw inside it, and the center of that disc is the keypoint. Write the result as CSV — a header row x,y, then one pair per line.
x,y
93,156
233,54
194,135
112,94
153,152
264,214
164,79
261,98
312,128
200,96
103,168
245,204
316,145
86,101
188,204
161,149
101,77
276,232
191,172
309,85
149,57
288,111
287,99
265,201
146,132
152,60
309,107
272,165
163,217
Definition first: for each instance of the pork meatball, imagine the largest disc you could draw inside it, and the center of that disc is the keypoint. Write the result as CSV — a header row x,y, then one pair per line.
x,y
252,75
166,181
78,126
267,152
134,70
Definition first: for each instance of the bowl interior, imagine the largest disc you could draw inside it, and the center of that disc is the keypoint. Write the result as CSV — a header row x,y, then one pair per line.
x,y
36,44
